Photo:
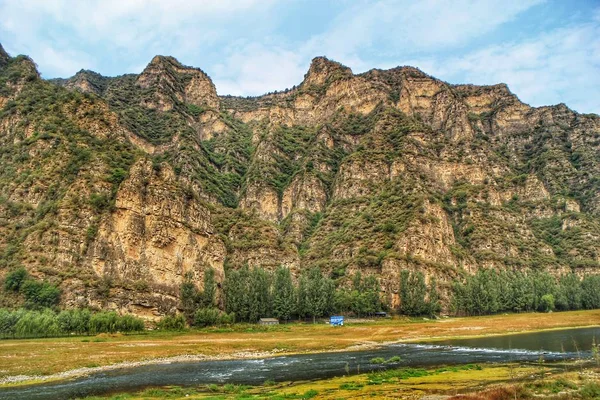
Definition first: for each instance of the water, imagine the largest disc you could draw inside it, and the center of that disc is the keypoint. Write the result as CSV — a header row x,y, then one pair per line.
x,y
552,345
564,340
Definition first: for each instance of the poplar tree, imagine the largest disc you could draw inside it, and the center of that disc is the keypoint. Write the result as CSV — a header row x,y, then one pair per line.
x,y
259,294
207,299
283,294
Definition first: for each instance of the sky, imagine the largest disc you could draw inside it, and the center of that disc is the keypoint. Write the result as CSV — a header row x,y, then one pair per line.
x,y
547,51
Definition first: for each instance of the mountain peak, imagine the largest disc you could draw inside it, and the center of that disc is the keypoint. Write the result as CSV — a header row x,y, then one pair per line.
x,y
173,80
323,69
4,57
164,60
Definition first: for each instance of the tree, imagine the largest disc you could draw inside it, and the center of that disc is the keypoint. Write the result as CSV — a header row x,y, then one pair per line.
x,y
433,301
316,294
543,284
188,295
547,302
590,291
207,298
370,300
259,294
569,290
315,302
237,293
412,293
522,291
283,294
301,295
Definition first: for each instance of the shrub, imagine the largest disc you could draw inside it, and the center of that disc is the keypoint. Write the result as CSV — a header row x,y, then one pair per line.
x,y
15,279
40,294
99,202
111,322
212,316
117,175
591,391
129,323
43,323
172,323
104,322
206,317
74,321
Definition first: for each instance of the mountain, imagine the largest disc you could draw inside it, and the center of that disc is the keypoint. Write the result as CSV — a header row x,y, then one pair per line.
x,y
116,188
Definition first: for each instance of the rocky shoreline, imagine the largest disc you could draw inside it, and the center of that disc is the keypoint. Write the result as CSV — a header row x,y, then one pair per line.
x,y
84,371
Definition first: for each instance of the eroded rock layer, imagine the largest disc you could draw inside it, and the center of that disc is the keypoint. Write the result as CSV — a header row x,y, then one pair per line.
x,y
117,188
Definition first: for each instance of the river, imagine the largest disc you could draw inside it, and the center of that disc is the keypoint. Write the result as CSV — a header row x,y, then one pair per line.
x,y
551,345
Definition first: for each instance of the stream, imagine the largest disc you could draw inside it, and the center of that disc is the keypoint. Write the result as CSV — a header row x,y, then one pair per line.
x,y
552,345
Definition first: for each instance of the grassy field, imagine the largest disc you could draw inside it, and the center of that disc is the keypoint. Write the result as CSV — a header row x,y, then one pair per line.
x,y
50,356
467,382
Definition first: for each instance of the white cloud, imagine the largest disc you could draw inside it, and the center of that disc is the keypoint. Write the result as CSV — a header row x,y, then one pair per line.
x,y
389,25
111,27
255,69
402,27
560,66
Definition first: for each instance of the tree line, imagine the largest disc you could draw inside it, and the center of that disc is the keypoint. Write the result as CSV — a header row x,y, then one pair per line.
x,y
253,293
489,291
23,323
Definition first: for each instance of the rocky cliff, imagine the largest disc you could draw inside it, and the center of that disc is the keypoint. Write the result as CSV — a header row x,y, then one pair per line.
x,y
118,187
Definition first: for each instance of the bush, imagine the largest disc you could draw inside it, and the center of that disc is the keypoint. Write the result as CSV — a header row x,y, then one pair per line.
x,y
40,294
129,323
104,322
212,316
32,323
74,321
15,279
377,360
111,322
172,323
591,391
100,202
117,175
206,317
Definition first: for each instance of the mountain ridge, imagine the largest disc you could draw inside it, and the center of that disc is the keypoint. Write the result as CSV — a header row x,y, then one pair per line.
x,y
373,172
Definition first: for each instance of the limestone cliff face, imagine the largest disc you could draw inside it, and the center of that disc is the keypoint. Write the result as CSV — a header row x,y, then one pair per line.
x,y
139,180
174,82
156,233
86,81
305,192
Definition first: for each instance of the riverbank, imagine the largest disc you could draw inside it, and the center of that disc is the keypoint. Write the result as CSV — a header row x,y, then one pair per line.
x,y
33,360
553,381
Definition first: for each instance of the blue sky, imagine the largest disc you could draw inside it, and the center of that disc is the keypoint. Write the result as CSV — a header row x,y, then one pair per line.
x,y
548,52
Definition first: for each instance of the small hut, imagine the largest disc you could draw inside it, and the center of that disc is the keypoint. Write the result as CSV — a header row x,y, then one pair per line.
x,y
268,321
